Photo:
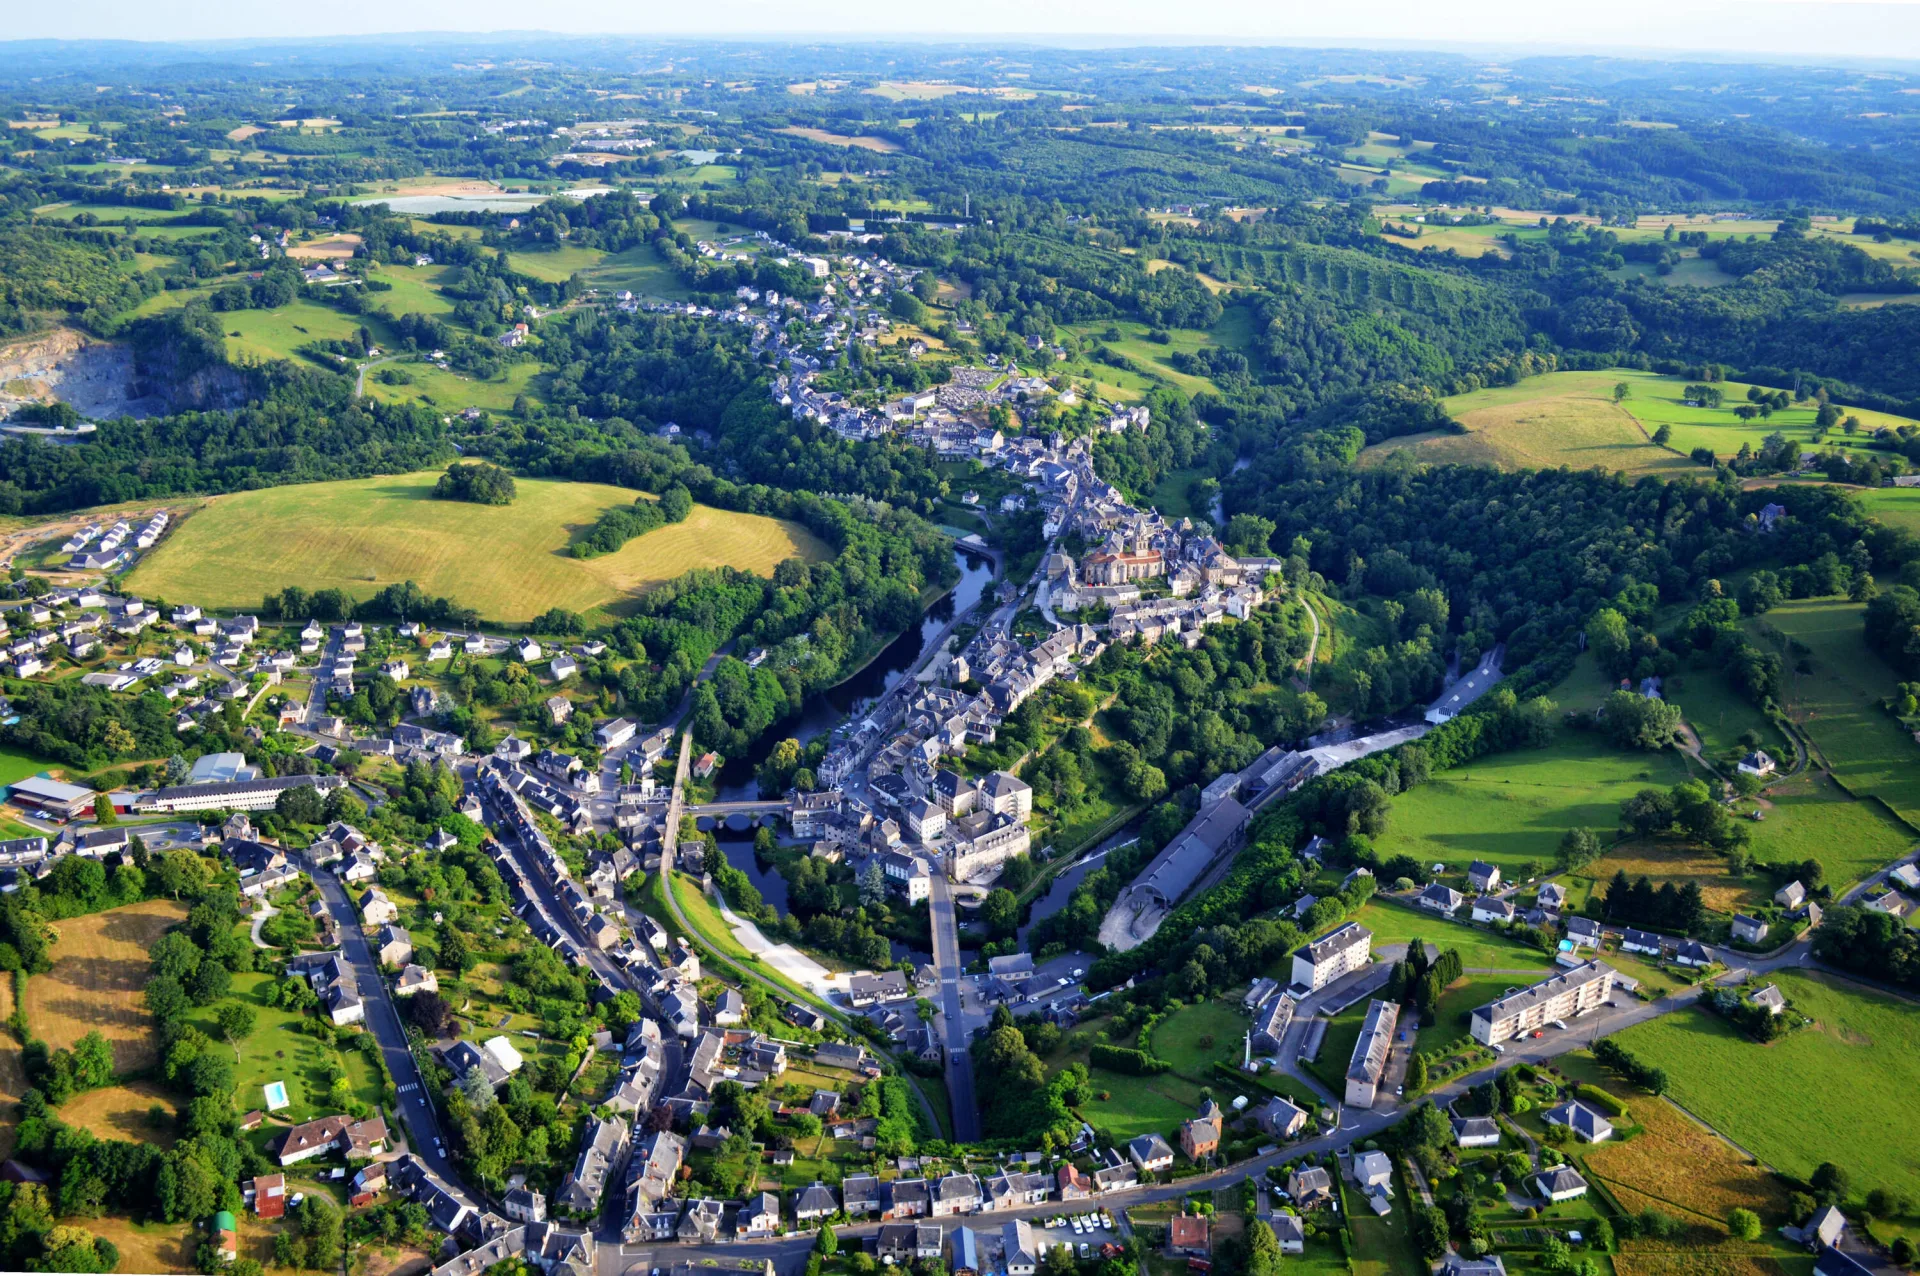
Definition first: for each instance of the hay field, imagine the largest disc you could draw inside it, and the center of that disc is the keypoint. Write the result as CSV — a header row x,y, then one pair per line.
x,y
332,248
98,980
120,1112
507,562
862,142
1675,1165
13,1081
1821,1094
1662,863
1544,422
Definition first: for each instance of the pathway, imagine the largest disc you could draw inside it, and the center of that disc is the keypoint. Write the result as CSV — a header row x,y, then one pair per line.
x,y
260,919
784,958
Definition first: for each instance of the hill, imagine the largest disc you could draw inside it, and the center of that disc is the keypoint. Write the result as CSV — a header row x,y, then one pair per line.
x,y
508,562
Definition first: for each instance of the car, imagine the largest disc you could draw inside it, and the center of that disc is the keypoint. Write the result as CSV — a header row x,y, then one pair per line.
x,y
1065,982
1538,1033
1085,1250
1078,972
1399,1089
1499,1049
1561,1024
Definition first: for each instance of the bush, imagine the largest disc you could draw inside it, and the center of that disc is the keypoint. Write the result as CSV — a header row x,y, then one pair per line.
x,y
1136,1063
479,482
1594,1096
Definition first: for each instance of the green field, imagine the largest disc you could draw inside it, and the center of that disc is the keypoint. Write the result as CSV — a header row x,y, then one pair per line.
x,y
1811,817
1836,704
449,391
1826,1093
1480,950
1894,506
264,335
279,1051
1512,808
1719,715
637,270
558,265
507,562
1140,1105
1196,1037
415,290
1234,331
1570,418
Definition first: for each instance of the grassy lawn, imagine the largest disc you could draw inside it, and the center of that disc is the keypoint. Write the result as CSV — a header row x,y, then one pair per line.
x,y
1479,949
558,265
1511,809
279,1051
265,335
1824,1093
507,562
1196,1037
450,391
1894,506
639,270
1140,1105
1837,704
18,765
1382,1246
705,918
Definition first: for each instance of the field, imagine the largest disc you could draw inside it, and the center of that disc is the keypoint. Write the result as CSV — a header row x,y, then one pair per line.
x,y
1563,418
639,270
1836,703
278,1051
1824,1093
1570,418
415,290
1480,950
447,390
265,335
1894,506
1811,817
507,562
120,1112
1512,808
98,977
558,265
1662,863
13,1081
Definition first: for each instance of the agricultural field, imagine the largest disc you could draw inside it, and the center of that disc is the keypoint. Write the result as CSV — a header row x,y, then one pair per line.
x,y
638,270
122,1112
1820,1094
556,265
416,290
98,980
1511,809
1837,703
1663,862
507,562
264,335
1894,506
1811,817
449,391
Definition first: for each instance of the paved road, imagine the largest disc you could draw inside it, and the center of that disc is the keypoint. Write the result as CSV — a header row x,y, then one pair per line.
x,y
423,1124
946,964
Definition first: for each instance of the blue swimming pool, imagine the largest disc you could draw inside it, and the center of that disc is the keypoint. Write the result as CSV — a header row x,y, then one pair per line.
x,y
276,1092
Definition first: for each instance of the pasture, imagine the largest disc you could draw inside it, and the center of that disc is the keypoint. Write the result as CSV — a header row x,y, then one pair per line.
x,y
450,391
415,290
1821,1094
508,562
123,1112
1837,703
264,335
1811,817
99,978
639,270
1511,809
1894,506
557,265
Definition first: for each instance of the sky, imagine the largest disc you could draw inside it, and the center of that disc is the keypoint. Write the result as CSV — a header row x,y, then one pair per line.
x,y
1868,29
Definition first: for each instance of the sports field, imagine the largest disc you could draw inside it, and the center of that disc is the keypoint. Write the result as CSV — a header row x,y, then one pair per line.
x,y
507,562
1837,704
1821,1094
1571,418
1512,808
99,978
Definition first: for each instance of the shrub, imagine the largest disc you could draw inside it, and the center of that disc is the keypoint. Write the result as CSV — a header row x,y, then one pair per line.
x,y
1121,1059
1595,1097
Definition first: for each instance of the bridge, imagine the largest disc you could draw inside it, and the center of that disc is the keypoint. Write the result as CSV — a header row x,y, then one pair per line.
x,y
738,816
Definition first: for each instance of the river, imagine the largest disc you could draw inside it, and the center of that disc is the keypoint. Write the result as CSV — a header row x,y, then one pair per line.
x,y
826,709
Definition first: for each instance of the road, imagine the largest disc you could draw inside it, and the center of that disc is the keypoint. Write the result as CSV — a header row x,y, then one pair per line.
x,y
946,964
383,1021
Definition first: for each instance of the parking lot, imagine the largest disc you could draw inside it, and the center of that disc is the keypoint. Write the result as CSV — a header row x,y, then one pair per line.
x,y
1083,1232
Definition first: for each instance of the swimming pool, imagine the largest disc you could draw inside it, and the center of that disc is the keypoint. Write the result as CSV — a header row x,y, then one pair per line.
x,y
276,1092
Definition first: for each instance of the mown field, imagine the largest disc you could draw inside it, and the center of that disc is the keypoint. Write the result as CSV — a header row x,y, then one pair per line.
x,y
99,978
638,270
507,562
1894,506
449,391
1837,703
121,1112
1512,808
1571,418
1830,1092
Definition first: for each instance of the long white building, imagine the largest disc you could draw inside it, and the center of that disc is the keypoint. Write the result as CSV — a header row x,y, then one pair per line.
x,y
1338,953
1561,996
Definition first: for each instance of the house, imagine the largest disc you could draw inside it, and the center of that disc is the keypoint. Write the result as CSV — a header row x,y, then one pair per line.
x,y
1582,1120
1584,931
524,1205
1201,1136
700,1223
1012,968
360,868
1460,1265
1476,1132
1757,763
1748,930
270,1196
357,1139
1906,875
1771,999
1290,1232
956,1194
1310,1187
559,709
1551,897
1280,1118
907,1198
413,979
1342,951
527,650
1640,941
1562,1183
1441,899
1691,952
1019,1252
1151,1153
729,1009
899,1244
376,908
814,1201
1825,1228
1483,877
1373,1170
860,1195
1073,1183
1489,908
392,946
1187,1234
867,990
963,1252
1792,895
1271,1020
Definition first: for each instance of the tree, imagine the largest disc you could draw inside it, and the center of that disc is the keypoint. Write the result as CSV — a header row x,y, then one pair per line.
x,y
183,873
478,1089
1263,1250
1621,390
103,812
873,884
1578,848
166,999
1639,722
479,482
92,1062
1830,1183
236,1020
827,1244
1416,1072
1744,1224
1000,911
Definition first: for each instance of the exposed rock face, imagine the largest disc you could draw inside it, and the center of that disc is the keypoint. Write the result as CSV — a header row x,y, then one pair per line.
x,y
96,377
181,362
